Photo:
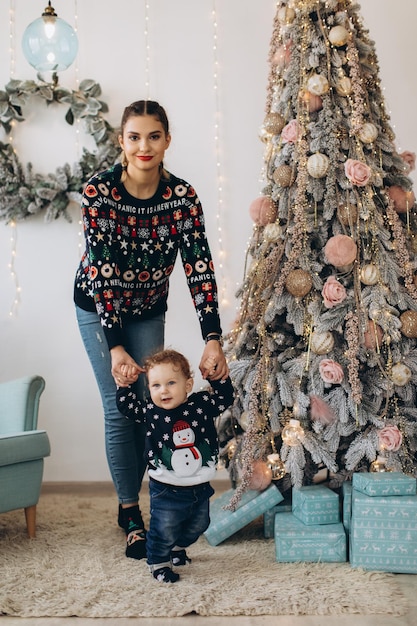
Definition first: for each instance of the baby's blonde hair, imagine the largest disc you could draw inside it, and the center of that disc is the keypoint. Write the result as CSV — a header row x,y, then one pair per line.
x,y
173,357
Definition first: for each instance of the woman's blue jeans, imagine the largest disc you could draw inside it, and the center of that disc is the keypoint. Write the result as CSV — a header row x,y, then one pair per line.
x,y
179,516
124,439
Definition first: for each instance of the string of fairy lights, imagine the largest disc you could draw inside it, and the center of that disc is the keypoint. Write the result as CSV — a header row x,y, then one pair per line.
x,y
223,290
13,226
147,52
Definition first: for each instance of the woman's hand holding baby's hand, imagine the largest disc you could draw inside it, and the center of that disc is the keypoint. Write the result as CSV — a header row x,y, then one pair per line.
x,y
125,370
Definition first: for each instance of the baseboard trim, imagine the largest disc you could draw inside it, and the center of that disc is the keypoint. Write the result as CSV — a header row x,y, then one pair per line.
x,y
104,488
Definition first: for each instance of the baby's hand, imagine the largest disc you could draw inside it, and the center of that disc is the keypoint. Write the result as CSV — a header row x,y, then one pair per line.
x,y
210,365
129,371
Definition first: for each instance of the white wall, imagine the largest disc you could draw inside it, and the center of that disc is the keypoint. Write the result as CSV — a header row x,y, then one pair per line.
x,y
42,337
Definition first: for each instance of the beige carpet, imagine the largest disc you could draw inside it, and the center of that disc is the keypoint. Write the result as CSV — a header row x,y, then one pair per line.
x,y
76,567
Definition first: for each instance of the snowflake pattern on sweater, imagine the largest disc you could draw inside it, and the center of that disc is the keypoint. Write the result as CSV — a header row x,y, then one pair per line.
x,y
131,248
181,444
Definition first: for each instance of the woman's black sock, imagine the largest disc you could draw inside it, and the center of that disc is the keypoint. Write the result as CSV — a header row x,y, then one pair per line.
x,y
130,519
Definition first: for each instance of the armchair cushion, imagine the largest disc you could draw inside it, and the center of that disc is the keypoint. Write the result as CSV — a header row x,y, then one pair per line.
x,y
23,447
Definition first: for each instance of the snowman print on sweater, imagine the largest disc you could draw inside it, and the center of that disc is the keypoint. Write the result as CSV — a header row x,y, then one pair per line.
x,y
186,459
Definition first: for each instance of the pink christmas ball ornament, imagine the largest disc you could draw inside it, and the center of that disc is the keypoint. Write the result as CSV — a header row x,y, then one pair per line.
x,y
282,56
261,476
409,159
263,211
311,101
373,335
403,200
340,250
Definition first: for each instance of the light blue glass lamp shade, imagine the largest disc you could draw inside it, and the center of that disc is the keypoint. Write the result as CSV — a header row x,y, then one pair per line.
x,y
49,43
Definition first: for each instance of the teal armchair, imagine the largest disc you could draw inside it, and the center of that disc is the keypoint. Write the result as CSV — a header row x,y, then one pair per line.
x,y
22,447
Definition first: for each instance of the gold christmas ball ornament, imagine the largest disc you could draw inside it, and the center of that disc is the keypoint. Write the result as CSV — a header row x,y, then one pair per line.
x,y
292,433
322,343
400,374
318,165
283,176
276,465
369,274
368,133
379,465
347,214
318,85
231,449
338,36
344,86
286,15
299,283
302,4
274,123
408,321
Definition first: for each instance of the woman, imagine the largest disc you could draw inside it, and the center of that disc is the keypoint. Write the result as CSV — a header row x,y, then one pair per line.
x,y
136,217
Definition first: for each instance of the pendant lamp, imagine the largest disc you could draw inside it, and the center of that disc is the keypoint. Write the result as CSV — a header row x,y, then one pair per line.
x,y
49,43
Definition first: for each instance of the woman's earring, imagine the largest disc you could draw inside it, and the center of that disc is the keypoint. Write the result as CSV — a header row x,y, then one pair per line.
x,y
123,160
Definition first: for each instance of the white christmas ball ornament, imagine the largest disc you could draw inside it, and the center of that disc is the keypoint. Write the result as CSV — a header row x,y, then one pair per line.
x,y
368,133
317,165
286,15
338,35
369,274
318,84
322,343
272,232
400,374
344,86
292,433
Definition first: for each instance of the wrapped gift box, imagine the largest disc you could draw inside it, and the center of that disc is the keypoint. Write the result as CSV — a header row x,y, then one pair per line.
x,y
218,502
296,542
384,484
315,504
225,523
347,504
269,517
383,533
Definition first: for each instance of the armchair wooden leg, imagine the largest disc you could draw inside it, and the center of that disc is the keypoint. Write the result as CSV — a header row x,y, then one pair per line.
x,y
30,514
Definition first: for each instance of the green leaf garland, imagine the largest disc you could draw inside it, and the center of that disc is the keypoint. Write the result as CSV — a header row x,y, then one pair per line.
x,y
22,191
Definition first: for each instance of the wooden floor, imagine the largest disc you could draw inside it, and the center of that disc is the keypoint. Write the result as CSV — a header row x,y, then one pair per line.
x,y
408,584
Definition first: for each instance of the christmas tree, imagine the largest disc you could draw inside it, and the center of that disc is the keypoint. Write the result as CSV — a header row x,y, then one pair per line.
x,y
323,354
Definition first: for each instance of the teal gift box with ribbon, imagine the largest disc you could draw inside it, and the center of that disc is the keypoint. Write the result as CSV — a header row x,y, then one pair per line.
x,y
253,504
296,542
384,484
383,533
269,517
315,504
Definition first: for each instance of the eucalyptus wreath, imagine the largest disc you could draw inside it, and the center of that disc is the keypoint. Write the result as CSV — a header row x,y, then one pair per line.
x,y
24,192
